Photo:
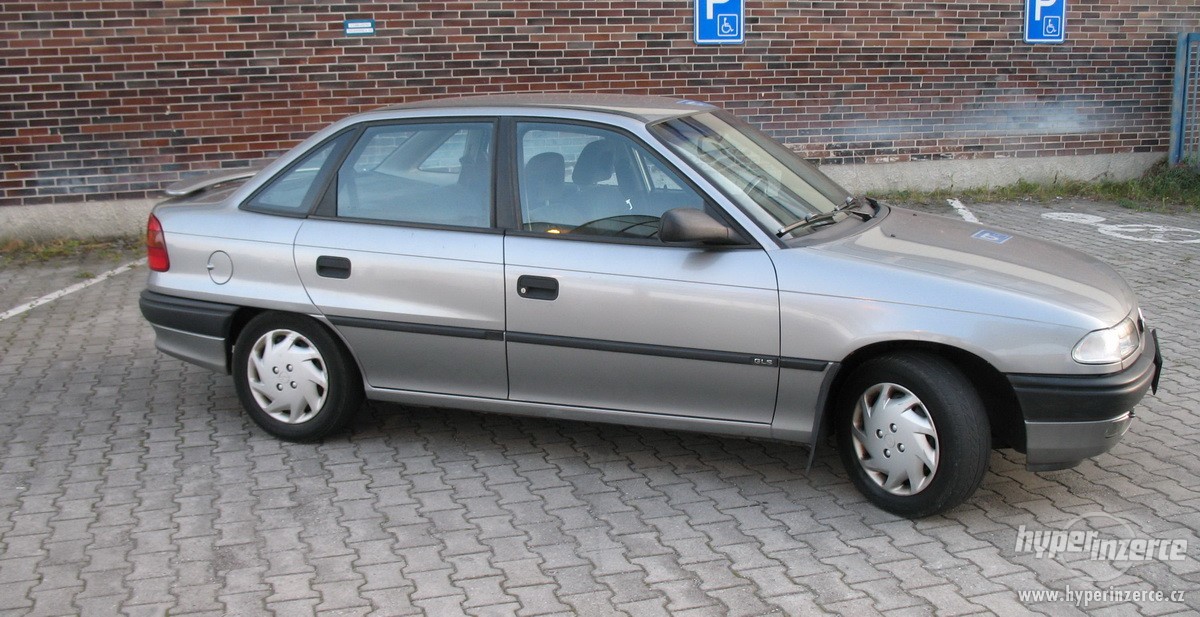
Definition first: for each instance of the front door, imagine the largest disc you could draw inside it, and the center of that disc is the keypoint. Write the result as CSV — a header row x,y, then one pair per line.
x,y
601,314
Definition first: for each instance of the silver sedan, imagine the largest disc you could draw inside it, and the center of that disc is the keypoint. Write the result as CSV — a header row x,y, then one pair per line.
x,y
643,261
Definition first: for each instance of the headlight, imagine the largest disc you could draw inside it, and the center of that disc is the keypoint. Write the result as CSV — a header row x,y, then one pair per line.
x,y
1109,345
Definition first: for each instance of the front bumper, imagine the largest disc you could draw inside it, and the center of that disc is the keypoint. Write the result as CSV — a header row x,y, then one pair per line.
x,y
1062,445
1069,418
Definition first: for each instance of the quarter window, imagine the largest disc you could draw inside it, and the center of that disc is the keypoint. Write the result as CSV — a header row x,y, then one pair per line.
x,y
439,174
292,191
589,181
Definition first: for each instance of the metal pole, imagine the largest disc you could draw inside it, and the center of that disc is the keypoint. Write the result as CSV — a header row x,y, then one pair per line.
x,y
1179,99
1190,149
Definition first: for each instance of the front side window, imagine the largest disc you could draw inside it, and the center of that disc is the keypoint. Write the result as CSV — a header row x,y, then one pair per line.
x,y
583,180
437,174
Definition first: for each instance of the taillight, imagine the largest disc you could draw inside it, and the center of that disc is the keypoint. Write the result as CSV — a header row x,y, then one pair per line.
x,y
156,246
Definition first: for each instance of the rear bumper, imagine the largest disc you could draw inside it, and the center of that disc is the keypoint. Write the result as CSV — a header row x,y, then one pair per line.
x,y
195,331
1070,418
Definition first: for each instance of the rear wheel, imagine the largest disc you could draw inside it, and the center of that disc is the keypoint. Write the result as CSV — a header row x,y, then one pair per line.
x,y
294,379
913,434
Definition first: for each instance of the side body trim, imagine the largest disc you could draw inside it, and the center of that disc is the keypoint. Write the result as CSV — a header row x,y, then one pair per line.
x,y
665,351
416,328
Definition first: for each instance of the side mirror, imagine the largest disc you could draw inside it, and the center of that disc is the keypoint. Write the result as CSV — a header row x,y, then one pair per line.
x,y
696,226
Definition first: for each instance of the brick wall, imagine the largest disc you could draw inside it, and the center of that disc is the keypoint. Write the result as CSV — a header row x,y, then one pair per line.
x,y
113,99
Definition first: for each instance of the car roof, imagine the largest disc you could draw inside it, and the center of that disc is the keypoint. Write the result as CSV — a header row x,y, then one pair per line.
x,y
646,109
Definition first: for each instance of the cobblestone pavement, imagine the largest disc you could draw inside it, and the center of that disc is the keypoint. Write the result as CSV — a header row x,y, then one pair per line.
x,y
25,282
131,483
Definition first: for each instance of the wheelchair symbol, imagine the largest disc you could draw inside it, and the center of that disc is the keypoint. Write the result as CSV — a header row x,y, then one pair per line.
x,y
1051,26
727,25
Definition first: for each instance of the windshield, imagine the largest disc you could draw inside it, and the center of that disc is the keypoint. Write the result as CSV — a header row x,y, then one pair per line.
x,y
752,168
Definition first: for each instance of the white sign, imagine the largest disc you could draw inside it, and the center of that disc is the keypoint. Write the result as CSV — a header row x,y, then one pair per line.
x,y
359,27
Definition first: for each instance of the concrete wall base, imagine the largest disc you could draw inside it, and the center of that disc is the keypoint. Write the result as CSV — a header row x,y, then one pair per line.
x,y
77,221
982,173
86,220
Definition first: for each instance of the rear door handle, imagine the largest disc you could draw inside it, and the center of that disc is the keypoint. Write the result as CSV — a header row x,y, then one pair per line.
x,y
333,267
537,287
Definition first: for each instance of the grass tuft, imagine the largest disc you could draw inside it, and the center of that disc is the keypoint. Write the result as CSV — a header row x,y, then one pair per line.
x,y
1162,188
26,252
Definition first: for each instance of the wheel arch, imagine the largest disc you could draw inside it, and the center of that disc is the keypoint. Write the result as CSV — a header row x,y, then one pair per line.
x,y
1003,409
241,317
244,315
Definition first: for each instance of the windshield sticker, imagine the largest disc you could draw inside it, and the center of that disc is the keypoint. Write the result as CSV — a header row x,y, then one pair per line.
x,y
991,236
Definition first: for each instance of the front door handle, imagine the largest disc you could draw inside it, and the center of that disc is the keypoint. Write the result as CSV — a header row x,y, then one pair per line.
x,y
537,287
333,267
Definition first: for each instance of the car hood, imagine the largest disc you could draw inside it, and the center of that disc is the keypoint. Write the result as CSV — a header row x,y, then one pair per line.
x,y
922,259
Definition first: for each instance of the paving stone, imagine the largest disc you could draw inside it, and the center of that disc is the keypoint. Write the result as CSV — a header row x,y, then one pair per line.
x,y
132,483
15,595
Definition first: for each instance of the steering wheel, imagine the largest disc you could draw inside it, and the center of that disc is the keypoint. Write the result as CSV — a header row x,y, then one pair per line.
x,y
544,227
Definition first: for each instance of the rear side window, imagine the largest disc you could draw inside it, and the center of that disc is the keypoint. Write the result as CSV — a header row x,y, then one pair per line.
x,y
435,174
293,191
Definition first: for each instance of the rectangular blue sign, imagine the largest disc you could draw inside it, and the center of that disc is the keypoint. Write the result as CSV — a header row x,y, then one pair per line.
x,y
991,236
720,22
1045,21
359,27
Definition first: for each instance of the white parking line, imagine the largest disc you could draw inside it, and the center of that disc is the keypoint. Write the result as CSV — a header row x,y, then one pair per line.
x,y
50,297
962,210
1138,232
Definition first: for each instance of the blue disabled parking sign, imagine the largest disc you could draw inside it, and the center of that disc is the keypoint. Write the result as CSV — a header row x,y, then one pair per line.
x,y
1045,21
720,22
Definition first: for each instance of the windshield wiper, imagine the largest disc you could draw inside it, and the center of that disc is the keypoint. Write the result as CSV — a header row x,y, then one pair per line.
x,y
826,217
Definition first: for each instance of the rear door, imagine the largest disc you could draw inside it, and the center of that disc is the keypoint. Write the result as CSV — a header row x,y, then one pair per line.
x,y
602,314
403,257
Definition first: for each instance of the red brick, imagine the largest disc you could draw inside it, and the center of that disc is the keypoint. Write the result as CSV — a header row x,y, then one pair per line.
x,y
837,81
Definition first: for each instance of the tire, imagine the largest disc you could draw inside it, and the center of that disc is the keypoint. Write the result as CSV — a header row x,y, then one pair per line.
x,y
294,378
924,452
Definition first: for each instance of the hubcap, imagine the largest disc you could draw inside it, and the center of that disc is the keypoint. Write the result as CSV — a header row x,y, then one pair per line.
x,y
287,376
895,439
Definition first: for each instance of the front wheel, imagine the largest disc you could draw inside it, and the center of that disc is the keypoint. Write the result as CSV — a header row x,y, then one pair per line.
x,y
913,434
294,379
